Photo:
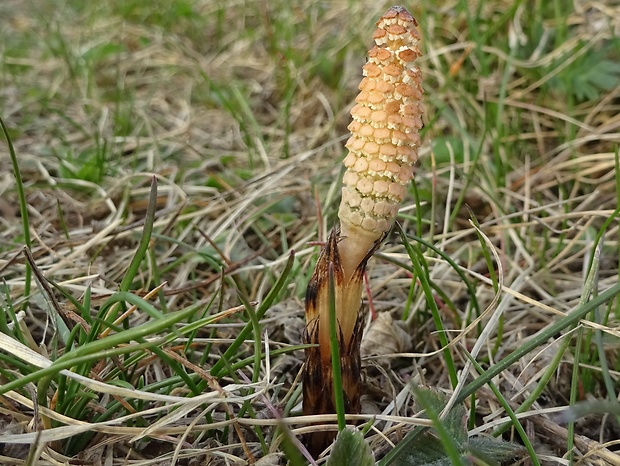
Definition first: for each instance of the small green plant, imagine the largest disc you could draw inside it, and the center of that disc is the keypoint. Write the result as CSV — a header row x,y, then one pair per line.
x,y
592,73
448,443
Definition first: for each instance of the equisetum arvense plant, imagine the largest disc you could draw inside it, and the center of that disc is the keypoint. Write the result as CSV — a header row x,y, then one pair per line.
x,y
382,150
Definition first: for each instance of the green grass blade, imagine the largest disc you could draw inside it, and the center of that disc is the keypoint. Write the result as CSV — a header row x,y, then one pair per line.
x,y
422,275
139,256
218,368
334,341
511,414
471,291
538,339
23,205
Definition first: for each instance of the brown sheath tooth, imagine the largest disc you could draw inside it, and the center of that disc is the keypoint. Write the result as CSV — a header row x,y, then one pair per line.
x,y
318,376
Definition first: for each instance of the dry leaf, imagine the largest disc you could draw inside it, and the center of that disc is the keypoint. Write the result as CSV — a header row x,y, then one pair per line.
x,y
386,336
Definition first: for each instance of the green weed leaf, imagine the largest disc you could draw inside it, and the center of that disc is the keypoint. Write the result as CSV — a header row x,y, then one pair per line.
x,y
594,78
455,421
433,448
492,450
350,449
590,76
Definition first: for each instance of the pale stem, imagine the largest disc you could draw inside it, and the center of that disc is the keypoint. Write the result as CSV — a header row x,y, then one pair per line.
x,y
353,247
